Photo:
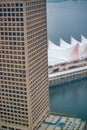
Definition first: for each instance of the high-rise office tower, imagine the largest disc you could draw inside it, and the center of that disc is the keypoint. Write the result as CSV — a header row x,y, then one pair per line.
x,y
24,98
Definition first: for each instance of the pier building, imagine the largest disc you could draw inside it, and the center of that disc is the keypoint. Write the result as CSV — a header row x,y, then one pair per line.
x,y
68,61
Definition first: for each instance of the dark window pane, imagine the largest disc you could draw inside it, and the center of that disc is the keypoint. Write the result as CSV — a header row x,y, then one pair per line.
x,y
16,4
17,19
21,4
4,10
8,9
21,14
9,14
5,24
13,14
13,9
9,33
1,33
17,9
0,9
21,9
0,14
13,19
9,19
4,14
22,24
6,33
17,14
21,19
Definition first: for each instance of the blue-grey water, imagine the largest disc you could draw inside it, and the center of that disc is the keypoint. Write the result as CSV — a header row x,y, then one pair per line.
x,y
70,98
68,18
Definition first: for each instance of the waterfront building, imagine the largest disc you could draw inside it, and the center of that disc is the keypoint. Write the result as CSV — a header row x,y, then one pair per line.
x,y
67,62
67,56
24,95
67,53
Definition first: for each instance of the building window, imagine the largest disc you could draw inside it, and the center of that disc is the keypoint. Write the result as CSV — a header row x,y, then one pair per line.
x,y
4,127
4,9
21,4
0,9
11,128
21,14
9,14
17,9
0,14
17,19
13,9
21,9
13,14
22,24
17,4
8,9
4,14
9,19
21,19
13,19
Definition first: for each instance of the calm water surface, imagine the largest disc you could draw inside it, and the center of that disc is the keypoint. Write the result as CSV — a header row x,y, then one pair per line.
x,y
65,19
70,98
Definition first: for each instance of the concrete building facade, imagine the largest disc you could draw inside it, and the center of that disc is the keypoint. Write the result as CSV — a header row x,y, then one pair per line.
x,y
24,94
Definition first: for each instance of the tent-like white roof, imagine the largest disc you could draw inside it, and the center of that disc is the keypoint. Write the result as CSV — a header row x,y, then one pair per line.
x,y
64,44
51,45
61,55
83,39
83,47
74,41
55,61
65,52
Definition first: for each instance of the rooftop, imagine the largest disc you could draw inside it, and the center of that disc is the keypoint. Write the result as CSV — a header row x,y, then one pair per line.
x,y
66,52
55,122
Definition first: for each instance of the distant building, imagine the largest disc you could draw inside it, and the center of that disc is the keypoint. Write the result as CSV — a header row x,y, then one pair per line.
x,y
24,98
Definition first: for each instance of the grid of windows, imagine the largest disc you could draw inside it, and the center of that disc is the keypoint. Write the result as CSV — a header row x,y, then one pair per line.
x,y
13,97
24,95
37,59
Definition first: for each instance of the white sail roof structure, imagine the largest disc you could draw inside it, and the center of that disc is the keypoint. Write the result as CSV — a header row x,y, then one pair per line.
x,y
55,61
65,52
51,45
61,55
74,41
83,39
75,53
74,47
63,43
55,56
83,49
85,53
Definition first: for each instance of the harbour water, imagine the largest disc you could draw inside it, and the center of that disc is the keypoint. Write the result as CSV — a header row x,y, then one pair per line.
x,y
70,98
68,18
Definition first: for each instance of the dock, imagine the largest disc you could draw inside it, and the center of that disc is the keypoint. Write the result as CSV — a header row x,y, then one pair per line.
x,y
67,76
